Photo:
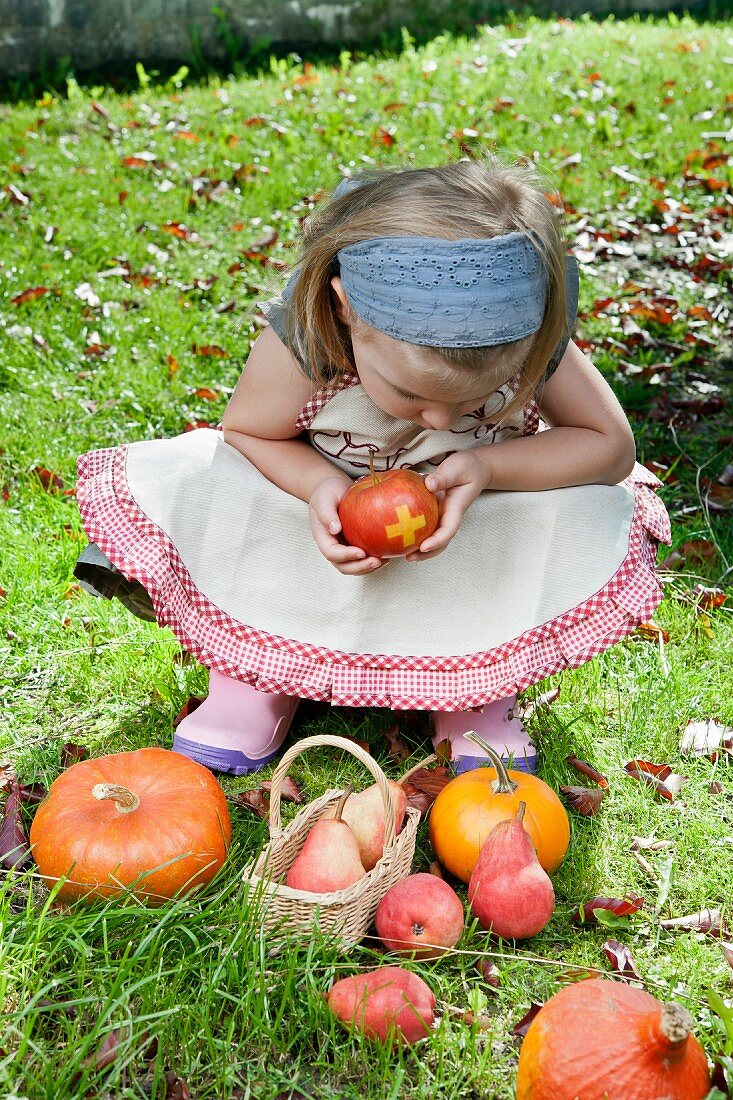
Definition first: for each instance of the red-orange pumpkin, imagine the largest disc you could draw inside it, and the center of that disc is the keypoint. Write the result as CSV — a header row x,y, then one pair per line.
x,y
150,820
468,808
604,1040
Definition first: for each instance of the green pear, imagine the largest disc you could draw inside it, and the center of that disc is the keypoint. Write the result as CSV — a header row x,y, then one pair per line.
x,y
329,859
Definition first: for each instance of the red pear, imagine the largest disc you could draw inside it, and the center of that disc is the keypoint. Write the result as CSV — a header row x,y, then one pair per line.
x,y
329,859
388,1004
364,814
420,915
509,892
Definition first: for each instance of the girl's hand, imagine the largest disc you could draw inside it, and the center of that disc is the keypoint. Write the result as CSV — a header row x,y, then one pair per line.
x,y
457,482
326,526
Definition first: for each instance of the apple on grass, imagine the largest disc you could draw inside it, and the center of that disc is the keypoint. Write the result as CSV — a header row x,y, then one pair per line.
x,y
388,514
420,915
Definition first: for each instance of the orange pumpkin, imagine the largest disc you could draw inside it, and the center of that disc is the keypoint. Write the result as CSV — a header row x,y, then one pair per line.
x,y
150,820
468,808
604,1040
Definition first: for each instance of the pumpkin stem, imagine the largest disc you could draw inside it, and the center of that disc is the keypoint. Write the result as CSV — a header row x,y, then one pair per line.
x,y
342,802
676,1023
125,800
502,784
520,811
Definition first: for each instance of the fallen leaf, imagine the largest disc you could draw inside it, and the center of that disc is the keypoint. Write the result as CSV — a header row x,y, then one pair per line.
x,y
716,787
585,800
650,843
620,907
709,598
489,971
107,1052
587,770
399,750
707,920
435,869
706,738
258,801
659,776
621,960
188,707
30,295
522,1027
50,481
14,850
651,632
212,350
72,753
728,952
289,792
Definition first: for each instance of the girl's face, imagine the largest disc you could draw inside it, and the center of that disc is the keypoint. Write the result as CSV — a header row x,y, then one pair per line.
x,y
406,382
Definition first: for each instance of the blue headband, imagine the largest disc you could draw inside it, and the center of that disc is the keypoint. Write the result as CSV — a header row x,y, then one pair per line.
x,y
466,293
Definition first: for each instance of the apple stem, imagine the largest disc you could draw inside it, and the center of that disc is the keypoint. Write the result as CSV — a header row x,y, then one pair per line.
x,y
342,802
375,479
520,811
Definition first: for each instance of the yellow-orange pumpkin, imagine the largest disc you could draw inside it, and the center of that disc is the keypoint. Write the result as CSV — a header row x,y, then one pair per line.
x,y
468,808
604,1040
151,820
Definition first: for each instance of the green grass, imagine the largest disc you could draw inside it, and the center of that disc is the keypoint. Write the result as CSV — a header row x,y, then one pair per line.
x,y
229,1016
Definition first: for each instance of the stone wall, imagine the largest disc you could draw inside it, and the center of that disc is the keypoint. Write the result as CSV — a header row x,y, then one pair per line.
x,y
97,33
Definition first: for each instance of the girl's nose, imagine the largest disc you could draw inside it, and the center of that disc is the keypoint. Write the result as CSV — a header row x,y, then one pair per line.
x,y
440,419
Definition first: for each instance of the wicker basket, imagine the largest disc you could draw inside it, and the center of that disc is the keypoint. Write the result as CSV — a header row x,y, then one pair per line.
x,y
349,912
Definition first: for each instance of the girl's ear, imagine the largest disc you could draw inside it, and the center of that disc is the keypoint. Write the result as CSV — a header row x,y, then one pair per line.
x,y
341,302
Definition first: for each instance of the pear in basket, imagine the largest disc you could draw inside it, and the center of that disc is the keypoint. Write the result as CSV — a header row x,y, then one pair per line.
x,y
329,859
364,814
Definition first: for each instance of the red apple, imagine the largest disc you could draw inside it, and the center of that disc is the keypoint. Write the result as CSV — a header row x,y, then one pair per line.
x,y
388,514
389,1004
420,915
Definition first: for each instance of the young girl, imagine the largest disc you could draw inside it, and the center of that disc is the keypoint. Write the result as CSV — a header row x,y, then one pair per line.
x,y
428,323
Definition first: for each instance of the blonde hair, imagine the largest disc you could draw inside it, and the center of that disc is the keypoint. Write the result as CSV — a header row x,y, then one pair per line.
x,y
467,198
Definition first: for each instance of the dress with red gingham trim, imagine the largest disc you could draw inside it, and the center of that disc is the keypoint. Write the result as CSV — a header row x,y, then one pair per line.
x,y
141,550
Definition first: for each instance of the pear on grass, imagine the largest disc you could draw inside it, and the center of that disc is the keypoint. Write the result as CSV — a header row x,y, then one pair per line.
x,y
329,859
509,891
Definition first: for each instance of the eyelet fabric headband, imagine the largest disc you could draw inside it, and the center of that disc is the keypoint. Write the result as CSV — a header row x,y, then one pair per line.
x,y
466,293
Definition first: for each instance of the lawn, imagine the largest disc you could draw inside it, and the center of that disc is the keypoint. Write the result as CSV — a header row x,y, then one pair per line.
x,y
139,231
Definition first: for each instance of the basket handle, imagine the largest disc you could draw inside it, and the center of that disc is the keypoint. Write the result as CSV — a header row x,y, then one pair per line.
x,y
281,771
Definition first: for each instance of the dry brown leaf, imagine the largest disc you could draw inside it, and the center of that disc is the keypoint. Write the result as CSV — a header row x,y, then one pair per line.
x,y
585,800
621,959
289,792
706,738
707,920
587,770
659,776
399,750
258,801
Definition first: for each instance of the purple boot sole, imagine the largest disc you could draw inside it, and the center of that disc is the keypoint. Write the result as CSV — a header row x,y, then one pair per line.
x,y
219,759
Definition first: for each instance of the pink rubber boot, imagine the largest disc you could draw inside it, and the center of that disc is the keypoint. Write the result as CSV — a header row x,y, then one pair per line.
x,y
236,729
496,724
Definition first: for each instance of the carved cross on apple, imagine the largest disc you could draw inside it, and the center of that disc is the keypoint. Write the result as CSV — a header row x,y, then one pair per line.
x,y
388,514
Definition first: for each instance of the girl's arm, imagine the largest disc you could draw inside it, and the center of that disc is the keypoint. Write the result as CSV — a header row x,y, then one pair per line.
x,y
259,422
588,441
260,419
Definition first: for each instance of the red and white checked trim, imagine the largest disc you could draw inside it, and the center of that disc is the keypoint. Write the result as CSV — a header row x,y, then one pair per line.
x,y
141,550
321,397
